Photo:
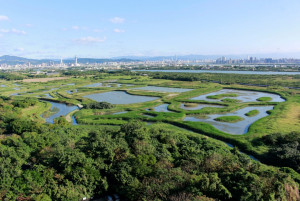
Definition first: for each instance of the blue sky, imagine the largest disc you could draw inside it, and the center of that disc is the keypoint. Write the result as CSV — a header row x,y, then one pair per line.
x,y
95,28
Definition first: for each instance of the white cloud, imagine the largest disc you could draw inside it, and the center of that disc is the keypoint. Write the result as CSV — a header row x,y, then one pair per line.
x,y
79,28
18,31
19,49
117,20
64,29
75,27
13,31
3,18
119,30
89,39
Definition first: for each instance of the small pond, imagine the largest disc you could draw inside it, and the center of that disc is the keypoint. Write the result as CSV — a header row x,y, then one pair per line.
x,y
199,106
123,112
242,95
63,109
15,94
120,97
163,89
48,96
74,121
104,85
72,91
237,128
161,108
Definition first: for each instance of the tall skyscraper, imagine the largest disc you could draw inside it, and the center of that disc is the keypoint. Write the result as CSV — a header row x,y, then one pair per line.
x,y
76,64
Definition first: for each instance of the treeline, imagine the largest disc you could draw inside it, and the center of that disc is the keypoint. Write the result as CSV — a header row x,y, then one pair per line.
x,y
81,72
284,149
10,76
244,79
99,105
10,119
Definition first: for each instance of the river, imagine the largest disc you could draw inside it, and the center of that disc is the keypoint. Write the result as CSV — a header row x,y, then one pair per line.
x,y
227,72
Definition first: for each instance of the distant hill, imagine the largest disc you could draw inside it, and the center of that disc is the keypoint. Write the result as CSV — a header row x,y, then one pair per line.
x,y
92,60
14,60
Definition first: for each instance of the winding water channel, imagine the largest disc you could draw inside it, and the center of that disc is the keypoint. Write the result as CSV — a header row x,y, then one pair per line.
x,y
63,110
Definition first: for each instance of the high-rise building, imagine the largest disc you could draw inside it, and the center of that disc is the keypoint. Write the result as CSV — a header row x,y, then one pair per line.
x,y
61,62
76,64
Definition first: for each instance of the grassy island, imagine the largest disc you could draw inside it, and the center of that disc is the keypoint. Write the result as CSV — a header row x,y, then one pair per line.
x,y
264,99
229,119
219,96
252,113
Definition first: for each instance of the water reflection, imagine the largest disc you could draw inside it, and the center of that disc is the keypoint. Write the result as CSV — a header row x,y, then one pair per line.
x,y
236,128
119,97
242,95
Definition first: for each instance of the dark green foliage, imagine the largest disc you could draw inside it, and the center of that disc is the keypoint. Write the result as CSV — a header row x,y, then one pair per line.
x,y
284,149
21,125
11,76
135,162
99,105
24,103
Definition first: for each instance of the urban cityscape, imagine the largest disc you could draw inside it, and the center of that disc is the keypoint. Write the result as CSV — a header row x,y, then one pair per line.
x,y
169,62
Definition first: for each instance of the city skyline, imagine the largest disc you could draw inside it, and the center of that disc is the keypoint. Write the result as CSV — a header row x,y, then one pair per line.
x,y
115,29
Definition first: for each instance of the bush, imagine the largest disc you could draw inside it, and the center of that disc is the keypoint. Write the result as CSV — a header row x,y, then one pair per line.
x,y
99,105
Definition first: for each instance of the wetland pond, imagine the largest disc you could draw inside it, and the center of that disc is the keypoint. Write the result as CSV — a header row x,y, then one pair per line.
x,y
119,97
236,128
72,91
48,96
163,89
160,108
198,106
241,95
104,85
63,109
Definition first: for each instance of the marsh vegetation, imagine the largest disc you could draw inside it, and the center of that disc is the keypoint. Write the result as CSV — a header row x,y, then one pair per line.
x,y
139,132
